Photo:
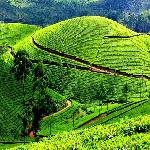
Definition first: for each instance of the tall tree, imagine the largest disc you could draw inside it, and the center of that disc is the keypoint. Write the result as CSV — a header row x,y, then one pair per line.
x,y
43,104
125,91
21,69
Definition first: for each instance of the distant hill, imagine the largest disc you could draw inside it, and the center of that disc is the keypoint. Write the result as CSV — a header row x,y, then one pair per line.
x,y
133,14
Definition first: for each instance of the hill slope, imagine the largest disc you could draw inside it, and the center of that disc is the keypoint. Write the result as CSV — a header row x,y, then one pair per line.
x,y
85,38
11,33
89,38
126,134
11,91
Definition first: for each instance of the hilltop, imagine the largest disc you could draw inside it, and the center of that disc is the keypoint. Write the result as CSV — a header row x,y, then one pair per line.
x,y
88,38
133,14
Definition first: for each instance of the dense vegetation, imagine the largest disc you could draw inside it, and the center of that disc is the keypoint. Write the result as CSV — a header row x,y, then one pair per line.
x,y
37,80
14,114
131,111
134,14
84,38
127,134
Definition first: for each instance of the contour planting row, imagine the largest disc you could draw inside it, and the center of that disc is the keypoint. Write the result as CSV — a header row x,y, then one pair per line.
x,y
125,134
118,113
86,51
108,113
142,110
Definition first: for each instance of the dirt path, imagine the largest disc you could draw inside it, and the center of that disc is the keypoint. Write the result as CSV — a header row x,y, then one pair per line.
x,y
68,104
103,115
92,67
93,120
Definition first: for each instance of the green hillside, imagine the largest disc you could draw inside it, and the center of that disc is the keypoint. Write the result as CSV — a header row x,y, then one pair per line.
x,y
11,33
124,112
127,134
92,60
86,39
11,91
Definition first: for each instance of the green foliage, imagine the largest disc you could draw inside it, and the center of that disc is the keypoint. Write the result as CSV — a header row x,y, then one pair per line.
x,y
84,38
11,33
141,110
59,122
79,113
22,65
133,14
127,134
130,111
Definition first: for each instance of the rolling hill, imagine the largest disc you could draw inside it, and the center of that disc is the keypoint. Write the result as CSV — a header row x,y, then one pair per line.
x,y
89,40
88,59
11,91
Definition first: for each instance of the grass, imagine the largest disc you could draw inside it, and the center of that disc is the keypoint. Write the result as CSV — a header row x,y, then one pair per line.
x,y
10,90
8,146
12,33
77,113
83,38
127,134
58,123
141,108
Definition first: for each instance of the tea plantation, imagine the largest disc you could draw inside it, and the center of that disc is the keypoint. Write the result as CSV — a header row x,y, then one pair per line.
x,y
98,65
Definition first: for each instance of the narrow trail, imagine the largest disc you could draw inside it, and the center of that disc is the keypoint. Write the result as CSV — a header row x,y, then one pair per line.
x,y
123,37
92,67
103,115
94,120
68,104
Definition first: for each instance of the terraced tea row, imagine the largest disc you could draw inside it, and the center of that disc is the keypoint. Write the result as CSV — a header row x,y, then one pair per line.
x,y
125,134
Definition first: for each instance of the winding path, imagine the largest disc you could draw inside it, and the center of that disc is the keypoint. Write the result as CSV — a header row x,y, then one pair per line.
x,y
92,67
68,104
105,114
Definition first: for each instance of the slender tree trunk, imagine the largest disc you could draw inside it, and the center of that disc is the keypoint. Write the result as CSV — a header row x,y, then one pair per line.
x,y
50,127
23,91
25,121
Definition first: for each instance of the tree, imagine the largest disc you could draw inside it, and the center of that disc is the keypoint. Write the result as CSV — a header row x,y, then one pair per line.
x,y
42,101
125,91
104,91
101,94
21,69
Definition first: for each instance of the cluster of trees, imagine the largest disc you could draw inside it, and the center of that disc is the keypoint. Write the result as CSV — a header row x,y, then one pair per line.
x,y
133,14
40,102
